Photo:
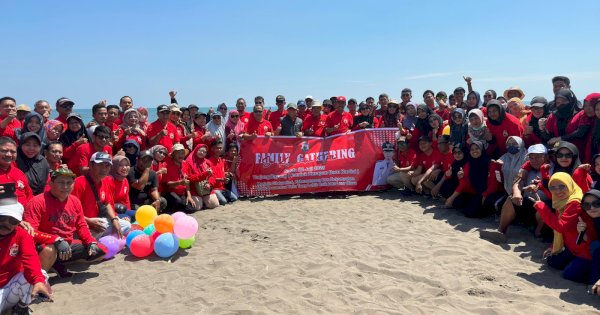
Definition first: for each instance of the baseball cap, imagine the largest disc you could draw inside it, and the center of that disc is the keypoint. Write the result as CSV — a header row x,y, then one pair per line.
x,y
146,153
387,146
537,148
539,101
162,108
193,106
341,98
177,147
101,157
292,106
23,108
279,98
215,114
13,210
352,100
301,103
62,171
326,102
309,97
174,108
64,101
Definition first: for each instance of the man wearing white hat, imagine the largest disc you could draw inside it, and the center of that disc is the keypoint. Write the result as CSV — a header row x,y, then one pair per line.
x,y
21,275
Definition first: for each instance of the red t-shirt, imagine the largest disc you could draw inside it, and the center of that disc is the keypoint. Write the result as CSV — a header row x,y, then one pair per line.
x,y
407,158
317,123
174,173
17,253
167,141
443,112
344,120
63,120
426,161
16,176
261,128
217,165
245,117
120,190
446,162
275,118
49,215
82,155
83,191
141,140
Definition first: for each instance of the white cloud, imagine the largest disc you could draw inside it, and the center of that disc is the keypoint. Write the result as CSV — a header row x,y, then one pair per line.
x,y
429,75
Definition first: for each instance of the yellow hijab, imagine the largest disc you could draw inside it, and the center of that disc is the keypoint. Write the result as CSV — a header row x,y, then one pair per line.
x,y
560,204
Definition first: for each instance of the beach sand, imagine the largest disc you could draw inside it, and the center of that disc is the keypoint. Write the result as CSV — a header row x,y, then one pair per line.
x,y
373,253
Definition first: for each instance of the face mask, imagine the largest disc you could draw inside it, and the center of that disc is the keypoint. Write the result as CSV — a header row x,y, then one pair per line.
x,y
512,150
477,128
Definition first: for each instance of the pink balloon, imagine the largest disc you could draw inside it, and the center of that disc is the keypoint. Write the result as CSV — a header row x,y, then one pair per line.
x,y
178,215
186,227
112,244
122,243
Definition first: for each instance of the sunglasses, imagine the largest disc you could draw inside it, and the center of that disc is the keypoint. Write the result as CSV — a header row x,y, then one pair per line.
x,y
258,103
103,137
66,106
587,206
216,117
280,101
405,94
235,116
258,111
557,188
162,152
10,219
564,155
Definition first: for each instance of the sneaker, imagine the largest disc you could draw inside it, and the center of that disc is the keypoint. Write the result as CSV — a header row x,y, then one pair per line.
x,y
21,309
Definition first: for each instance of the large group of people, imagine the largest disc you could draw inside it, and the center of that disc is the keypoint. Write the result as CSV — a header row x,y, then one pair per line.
x,y
72,182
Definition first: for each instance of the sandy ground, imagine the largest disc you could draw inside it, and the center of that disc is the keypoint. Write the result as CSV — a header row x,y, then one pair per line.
x,y
365,254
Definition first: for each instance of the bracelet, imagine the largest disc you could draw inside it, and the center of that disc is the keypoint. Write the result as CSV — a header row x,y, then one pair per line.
x,y
115,218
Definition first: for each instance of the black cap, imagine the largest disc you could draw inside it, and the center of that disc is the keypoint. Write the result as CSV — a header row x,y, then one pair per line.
x,y
539,101
162,108
193,106
352,100
406,90
387,146
327,102
561,78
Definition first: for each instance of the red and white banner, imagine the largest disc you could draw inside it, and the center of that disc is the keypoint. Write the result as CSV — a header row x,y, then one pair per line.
x,y
290,165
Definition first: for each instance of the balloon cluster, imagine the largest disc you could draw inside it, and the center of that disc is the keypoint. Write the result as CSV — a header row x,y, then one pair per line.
x,y
162,234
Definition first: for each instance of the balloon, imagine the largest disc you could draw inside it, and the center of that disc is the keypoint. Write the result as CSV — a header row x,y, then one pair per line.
x,y
112,244
164,223
141,246
149,229
177,215
121,244
131,236
446,131
154,235
186,227
166,245
145,215
136,227
187,243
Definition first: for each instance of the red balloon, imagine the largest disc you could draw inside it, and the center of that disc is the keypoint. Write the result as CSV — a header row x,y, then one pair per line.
x,y
154,235
141,246
135,227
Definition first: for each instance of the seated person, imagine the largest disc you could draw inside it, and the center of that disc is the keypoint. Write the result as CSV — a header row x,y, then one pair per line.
x,y
143,184
175,183
10,173
21,276
60,228
222,177
404,160
94,190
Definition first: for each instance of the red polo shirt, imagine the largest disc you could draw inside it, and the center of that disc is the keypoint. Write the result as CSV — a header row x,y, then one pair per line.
x,y
426,161
245,117
83,191
167,141
261,128
344,120
275,118
317,123
16,176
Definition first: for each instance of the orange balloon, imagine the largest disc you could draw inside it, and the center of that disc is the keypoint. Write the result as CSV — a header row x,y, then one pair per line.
x,y
164,223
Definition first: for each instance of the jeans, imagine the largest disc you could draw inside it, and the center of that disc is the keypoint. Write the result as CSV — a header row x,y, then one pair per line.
x,y
225,196
125,227
574,268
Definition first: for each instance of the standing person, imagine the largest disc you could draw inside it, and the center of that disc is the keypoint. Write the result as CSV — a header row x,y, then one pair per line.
x,y
566,253
162,131
291,124
302,113
43,108
64,108
80,160
406,97
53,154
532,133
514,91
159,154
222,176
558,83
199,129
22,111
429,99
352,107
126,103
459,98
61,233
222,108
364,119
216,127
275,117
309,100
112,117
314,125
234,127
383,102
10,173
442,110
54,130
8,115
143,184
175,119
33,123
563,124
31,161
240,105
339,121
130,129
94,190
257,125
501,125
392,117
143,118
21,275
175,183
74,136
100,115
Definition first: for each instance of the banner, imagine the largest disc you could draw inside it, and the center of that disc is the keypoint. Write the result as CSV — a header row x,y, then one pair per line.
x,y
291,165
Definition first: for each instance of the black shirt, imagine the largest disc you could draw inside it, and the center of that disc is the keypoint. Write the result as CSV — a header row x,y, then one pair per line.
x,y
139,196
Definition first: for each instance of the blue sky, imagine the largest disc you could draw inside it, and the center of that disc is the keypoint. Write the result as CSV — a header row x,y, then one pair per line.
x,y
217,51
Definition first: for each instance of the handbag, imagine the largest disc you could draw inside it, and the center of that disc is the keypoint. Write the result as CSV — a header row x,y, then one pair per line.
x,y
101,207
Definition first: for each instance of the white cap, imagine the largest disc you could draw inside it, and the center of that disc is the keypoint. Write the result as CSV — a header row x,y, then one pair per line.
x,y
309,96
537,149
14,210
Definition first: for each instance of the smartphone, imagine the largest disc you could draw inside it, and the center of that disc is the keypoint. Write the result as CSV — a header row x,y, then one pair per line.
x,y
8,196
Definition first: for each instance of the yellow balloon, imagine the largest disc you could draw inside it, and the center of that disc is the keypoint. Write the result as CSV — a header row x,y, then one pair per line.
x,y
145,215
446,131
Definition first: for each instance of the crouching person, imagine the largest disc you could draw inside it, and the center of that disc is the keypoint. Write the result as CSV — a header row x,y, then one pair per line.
x,y
56,216
21,276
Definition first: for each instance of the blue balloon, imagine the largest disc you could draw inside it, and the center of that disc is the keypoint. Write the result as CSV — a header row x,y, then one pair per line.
x,y
166,245
132,235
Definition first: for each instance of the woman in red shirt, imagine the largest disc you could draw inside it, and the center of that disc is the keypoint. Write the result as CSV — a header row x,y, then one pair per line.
x,y
501,125
202,180
118,173
159,153
222,176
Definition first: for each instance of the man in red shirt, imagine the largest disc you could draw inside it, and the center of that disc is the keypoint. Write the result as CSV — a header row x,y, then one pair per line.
x,y
222,176
240,104
383,102
98,206
10,174
403,163
257,125
112,117
314,124
8,115
57,216
162,131
338,121
80,160
126,102
275,117
426,158
64,107
21,276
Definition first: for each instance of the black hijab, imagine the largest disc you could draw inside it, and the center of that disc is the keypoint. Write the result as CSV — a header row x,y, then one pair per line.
x,y
423,123
534,122
565,112
479,169
36,168
69,137
456,165
496,122
575,161
458,133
